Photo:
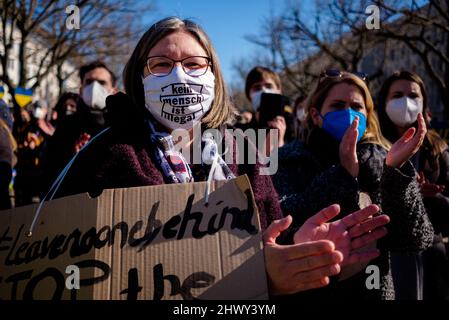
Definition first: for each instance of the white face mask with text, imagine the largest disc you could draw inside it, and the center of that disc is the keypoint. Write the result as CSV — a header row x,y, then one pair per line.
x,y
179,101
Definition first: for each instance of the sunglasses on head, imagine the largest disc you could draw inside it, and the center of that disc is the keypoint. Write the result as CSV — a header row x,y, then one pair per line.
x,y
334,73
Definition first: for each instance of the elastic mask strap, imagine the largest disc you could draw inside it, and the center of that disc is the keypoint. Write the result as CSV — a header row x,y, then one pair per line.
x,y
55,186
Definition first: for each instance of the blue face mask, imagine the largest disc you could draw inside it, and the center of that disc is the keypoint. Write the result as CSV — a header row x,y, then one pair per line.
x,y
337,122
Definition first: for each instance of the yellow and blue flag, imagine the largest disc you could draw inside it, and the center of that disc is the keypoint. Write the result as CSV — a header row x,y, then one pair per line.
x,y
23,96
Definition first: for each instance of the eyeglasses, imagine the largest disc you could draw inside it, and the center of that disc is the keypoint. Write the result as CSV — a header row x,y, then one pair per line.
x,y
194,66
334,73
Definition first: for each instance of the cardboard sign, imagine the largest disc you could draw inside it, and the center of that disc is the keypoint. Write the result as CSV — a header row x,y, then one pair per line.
x,y
155,242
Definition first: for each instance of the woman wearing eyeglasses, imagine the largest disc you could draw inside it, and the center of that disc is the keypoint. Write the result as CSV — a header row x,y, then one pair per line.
x,y
173,81
342,153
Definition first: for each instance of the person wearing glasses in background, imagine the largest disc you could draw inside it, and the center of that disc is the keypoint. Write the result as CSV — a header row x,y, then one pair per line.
x,y
342,153
173,81
402,97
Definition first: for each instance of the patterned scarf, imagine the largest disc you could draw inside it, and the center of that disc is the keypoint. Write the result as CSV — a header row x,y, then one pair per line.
x,y
174,166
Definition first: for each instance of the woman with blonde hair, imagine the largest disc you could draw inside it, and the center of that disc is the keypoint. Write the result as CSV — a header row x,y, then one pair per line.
x,y
342,153
173,81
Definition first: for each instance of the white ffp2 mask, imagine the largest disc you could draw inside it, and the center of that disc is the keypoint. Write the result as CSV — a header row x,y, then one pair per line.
x,y
179,101
404,111
301,114
39,113
94,95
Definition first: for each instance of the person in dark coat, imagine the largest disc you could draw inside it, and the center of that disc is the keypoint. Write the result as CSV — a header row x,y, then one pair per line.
x,y
173,62
26,181
7,156
64,107
75,130
402,96
328,166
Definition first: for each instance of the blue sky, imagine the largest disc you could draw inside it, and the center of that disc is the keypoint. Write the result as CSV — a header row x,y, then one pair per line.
x,y
226,22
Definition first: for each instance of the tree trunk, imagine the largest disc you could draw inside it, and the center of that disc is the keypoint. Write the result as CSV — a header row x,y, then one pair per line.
x,y
16,110
60,77
22,62
445,95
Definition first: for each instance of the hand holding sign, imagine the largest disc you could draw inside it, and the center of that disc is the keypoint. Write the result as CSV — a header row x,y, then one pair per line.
x,y
298,267
348,234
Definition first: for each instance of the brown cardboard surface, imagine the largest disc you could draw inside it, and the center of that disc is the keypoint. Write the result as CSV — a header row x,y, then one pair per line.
x,y
155,242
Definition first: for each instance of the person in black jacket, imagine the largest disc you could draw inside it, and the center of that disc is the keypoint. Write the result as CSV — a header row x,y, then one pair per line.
x,y
75,130
328,166
64,107
402,96
7,157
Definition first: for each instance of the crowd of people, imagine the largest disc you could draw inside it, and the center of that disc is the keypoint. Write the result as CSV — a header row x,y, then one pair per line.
x,y
335,147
